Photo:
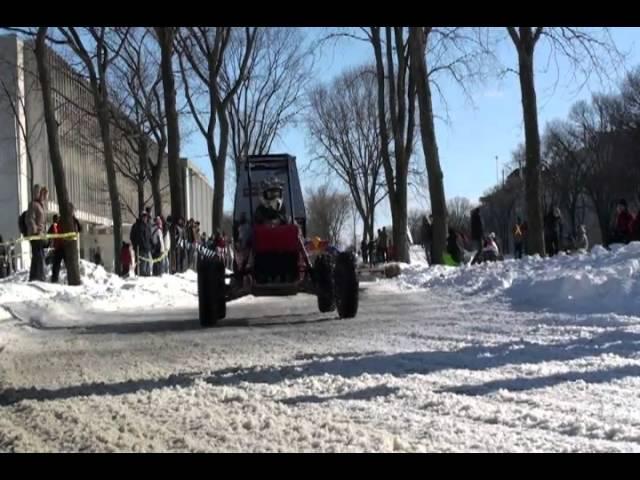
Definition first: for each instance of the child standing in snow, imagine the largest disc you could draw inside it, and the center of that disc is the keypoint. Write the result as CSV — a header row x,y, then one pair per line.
x,y
125,259
490,251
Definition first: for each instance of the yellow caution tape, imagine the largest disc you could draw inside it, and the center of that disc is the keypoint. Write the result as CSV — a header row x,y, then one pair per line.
x,y
154,260
46,236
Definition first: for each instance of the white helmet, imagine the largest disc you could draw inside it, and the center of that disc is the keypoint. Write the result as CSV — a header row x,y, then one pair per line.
x,y
271,193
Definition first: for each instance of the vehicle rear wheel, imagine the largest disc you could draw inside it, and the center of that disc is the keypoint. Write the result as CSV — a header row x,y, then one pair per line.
x,y
323,276
346,285
212,304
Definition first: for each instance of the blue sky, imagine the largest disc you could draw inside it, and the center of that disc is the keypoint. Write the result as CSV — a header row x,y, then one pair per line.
x,y
477,131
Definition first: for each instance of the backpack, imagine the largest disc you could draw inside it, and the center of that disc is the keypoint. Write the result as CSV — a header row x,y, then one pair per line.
x,y
22,223
517,232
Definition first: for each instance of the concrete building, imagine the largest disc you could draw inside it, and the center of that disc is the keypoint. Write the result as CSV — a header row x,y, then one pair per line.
x,y
24,155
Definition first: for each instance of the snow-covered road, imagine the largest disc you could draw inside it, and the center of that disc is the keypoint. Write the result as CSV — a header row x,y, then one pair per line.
x,y
418,371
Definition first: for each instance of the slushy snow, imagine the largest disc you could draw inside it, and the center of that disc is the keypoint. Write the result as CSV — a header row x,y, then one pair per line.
x,y
531,355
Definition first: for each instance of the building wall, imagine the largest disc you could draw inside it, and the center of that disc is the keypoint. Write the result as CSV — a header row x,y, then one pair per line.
x,y
199,199
82,154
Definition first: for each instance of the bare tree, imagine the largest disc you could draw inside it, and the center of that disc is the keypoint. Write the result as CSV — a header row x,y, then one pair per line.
x,y
57,166
587,52
396,105
327,213
212,74
603,149
97,48
417,47
167,40
343,126
462,55
137,87
269,99
567,169
459,214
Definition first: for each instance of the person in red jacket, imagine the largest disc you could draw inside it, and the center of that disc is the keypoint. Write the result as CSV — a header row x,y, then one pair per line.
x,y
125,259
622,228
59,243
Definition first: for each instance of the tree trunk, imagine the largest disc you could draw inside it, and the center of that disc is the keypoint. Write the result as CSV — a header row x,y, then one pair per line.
x,y
417,48
400,222
155,172
142,168
70,247
140,187
535,243
114,195
219,166
176,180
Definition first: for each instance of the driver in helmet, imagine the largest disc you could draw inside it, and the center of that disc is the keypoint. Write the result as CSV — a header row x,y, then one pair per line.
x,y
271,208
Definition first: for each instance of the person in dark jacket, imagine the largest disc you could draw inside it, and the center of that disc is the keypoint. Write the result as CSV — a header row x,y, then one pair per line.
x,y
59,244
364,250
477,231
519,233
427,236
180,243
35,220
623,223
372,252
553,231
454,246
134,237
383,241
144,246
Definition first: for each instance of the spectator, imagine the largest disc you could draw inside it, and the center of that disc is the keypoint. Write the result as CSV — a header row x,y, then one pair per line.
x,y
125,259
35,220
454,247
157,246
144,246
427,236
167,246
477,230
364,247
4,259
518,238
97,256
623,223
180,245
490,250
553,231
59,244
372,251
582,242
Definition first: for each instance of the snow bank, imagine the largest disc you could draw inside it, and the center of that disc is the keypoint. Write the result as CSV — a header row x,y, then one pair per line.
x,y
101,291
600,281
59,305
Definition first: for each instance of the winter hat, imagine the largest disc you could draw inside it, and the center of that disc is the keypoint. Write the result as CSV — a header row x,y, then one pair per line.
x,y
623,202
